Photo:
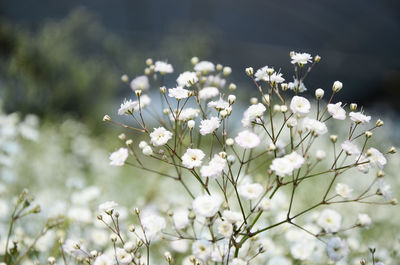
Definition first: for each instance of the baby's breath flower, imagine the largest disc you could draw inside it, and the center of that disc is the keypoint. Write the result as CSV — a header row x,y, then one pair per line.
x,y
315,126
376,158
208,92
214,168
181,218
187,79
206,205
247,139
337,85
163,68
108,206
178,93
363,219
160,136
337,249
343,190
281,166
104,259
140,83
192,158
147,150
224,228
319,93
300,105
301,58
119,157
209,126
204,67
330,220
350,148
251,191
337,111
358,117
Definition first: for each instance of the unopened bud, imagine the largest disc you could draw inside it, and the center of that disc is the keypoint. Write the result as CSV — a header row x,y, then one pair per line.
x,y
163,89
363,262
137,211
124,78
106,118
138,92
266,99
271,147
380,174
129,142
51,260
270,71
253,100
132,228
191,124
284,108
227,71
231,99
368,134
337,86
317,58
166,111
249,71
122,136
284,86
223,113
379,123
219,67
229,142
222,154
277,108
392,150
319,93
194,60
353,106
333,138
149,61
231,159
147,71
394,201
232,86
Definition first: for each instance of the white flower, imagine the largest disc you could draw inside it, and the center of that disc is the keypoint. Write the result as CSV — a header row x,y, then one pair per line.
x,y
224,228
337,85
147,150
209,126
315,126
363,164
145,100
350,148
79,214
302,250
163,67
265,204
252,113
343,190
215,80
126,107
119,157
185,114
251,191
376,158
108,206
359,117
320,154
337,111
329,220
232,216
281,167
160,136
104,259
247,139
300,105
385,190
208,92
192,158
181,218
337,249
219,104
301,58
363,219
123,257
204,67
178,92
186,78
295,86
201,249
153,225
276,78
214,168
295,159
261,74
237,261
206,205
140,83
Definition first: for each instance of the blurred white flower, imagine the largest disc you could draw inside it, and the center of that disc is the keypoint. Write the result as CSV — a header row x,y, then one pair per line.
x,y
376,158
214,168
232,216
315,126
296,86
281,166
208,92
343,190
119,157
363,219
123,257
350,148
224,228
181,218
140,83
359,117
252,113
153,225
204,67
247,139
206,205
337,249
330,220
295,159
186,78
163,67
108,206
104,259
201,249
126,107
251,191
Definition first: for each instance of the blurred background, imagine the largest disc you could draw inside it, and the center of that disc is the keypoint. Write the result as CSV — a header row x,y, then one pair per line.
x,y
66,57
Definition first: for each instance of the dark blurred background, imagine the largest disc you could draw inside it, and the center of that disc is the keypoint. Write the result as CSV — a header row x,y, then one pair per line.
x,y
61,56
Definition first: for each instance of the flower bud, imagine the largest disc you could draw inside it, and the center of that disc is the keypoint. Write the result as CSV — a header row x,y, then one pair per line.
x,y
132,228
137,210
380,174
379,123
138,92
129,142
168,257
231,159
333,138
122,136
353,106
191,124
163,89
317,58
219,67
337,86
51,260
149,61
266,99
277,108
292,53
319,93
147,151
166,111
363,262
392,150
231,99
394,201
142,144
229,142
320,154
124,78
249,71
270,71
194,60
271,147
284,86
152,67
223,113
284,108
147,71
368,134
227,71
232,86
106,118
222,154
253,100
